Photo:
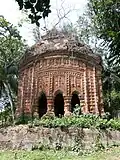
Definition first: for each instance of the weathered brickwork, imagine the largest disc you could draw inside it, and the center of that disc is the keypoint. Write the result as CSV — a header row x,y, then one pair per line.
x,y
60,65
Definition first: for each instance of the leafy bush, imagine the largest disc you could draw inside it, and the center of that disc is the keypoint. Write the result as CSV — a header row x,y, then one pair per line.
x,y
114,124
82,121
23,119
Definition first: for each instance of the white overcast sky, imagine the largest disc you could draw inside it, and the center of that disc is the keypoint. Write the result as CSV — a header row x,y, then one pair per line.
x,y
10,10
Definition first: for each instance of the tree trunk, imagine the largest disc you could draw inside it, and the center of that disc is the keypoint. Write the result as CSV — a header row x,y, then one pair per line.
x,y
7,88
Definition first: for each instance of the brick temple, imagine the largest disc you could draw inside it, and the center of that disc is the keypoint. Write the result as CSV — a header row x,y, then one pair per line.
x,y
56,74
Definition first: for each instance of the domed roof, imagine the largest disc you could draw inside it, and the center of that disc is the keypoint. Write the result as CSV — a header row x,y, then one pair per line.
x,y
59,43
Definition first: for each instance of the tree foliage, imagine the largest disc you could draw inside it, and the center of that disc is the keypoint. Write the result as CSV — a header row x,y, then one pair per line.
x,y
111,86
11,50
106,18
38,9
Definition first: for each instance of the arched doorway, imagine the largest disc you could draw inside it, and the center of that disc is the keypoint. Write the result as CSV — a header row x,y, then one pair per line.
x,y
74,100
42,104
59,104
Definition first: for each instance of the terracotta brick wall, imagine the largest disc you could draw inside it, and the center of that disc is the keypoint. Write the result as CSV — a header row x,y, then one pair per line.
x,y
68,74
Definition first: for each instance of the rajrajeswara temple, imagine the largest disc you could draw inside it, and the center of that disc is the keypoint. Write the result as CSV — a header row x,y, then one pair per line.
x,y
56,74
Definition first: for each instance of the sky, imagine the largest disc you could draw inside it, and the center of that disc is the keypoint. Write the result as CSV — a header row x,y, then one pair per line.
x,y
10,10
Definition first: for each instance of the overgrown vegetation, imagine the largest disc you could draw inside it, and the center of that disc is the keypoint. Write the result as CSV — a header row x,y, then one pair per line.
x,y
82,121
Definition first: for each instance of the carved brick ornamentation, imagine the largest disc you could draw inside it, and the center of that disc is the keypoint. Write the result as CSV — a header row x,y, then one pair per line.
x,y
60,64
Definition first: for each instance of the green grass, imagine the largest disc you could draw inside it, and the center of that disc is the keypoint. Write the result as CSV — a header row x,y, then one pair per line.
x,y
111,154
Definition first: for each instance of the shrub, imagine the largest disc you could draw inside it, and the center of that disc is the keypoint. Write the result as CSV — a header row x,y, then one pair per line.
x,y
23,119
82,121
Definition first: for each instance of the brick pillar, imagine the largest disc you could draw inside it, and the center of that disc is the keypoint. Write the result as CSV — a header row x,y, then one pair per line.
x,y
82,103
85,106
67,105
95,92
50,107
35,110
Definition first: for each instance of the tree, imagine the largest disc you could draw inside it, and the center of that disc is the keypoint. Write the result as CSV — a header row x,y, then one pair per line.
x,y
106,18
111,86
38,9
11,50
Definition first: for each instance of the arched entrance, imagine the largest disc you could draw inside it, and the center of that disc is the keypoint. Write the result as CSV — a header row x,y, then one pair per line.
x,y
74,100
59,104
42,104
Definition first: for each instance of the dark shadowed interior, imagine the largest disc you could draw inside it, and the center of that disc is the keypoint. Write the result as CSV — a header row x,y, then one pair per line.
x,y
59,105
42,104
